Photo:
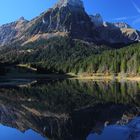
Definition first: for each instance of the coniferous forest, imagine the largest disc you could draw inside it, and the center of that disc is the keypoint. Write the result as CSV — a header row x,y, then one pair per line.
x,y
64,55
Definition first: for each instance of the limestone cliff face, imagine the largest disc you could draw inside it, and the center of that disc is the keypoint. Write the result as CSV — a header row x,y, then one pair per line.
x,y
117,33
97,20
9,32
68,17
74,3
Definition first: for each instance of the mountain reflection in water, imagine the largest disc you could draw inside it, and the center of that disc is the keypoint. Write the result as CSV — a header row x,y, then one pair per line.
x,y
131,131
69,109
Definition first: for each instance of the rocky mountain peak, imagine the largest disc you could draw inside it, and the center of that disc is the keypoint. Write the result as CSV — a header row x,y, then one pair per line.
x,y
21,19
122,25
74,3
68,17
97,19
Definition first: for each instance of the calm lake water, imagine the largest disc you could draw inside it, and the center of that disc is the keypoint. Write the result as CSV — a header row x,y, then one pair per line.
x,y
69,110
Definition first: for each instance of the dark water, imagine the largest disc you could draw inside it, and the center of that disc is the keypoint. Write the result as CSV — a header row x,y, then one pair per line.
x,y
69,110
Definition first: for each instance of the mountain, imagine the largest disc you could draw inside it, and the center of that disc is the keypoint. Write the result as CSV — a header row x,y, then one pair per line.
x,y
74,3
65,39
97,20
68,18
122,25
116,33
9,32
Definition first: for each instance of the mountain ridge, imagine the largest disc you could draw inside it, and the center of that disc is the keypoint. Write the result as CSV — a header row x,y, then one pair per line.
x,y
64,3
68,17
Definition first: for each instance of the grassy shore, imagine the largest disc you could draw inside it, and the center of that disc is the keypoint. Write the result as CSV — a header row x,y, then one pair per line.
x,y
106,77
67,76
25,71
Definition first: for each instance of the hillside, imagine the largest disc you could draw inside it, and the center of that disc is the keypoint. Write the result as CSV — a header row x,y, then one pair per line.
x,y
66,39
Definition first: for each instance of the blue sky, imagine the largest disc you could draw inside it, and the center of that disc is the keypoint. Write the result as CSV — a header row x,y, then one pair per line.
x,y
112,10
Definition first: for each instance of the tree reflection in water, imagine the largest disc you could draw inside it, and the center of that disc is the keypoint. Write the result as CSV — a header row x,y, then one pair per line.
x,y
68,109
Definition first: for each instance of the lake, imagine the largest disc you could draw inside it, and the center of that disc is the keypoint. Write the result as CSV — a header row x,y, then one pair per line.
x,y
69,110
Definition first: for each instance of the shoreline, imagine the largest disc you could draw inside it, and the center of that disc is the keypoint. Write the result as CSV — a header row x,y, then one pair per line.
x,y
82,76
107,78
56,76
25,81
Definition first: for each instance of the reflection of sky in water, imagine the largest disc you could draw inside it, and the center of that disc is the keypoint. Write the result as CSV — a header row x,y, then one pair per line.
x,y
114,132
7,133
111,133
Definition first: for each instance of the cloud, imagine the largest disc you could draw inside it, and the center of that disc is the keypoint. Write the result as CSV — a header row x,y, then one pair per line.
x,y
126,18
136,6
134,20
121,18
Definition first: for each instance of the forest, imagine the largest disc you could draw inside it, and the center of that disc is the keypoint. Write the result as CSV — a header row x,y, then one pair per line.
x,y
64,55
